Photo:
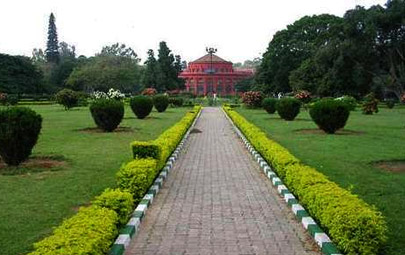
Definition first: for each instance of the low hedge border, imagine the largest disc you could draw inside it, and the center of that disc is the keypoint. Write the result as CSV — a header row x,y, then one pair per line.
x,y
322,239
94,228
131,228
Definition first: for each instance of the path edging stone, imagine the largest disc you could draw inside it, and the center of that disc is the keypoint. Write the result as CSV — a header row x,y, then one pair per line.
x,y
321,238
127,233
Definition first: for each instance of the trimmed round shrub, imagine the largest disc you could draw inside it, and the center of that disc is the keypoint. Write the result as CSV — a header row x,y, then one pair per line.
x,y
19,131
349,101
288,108
390,104
161,102
329,115
141,106
68,98
269,104
370,104
252,99
107,113
176,101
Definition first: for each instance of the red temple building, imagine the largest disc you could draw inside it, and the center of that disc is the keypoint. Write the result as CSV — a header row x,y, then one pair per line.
x,y
212,74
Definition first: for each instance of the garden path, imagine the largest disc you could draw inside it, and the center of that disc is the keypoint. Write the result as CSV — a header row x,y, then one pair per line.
x,y
217,201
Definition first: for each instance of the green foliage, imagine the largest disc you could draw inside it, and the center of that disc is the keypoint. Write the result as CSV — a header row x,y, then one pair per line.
x,y
90,231
18,75
252,99
103,72
353,225
141,149
269,104
291,46
370,104
107,113
149,78
117,200
19,131
330,115
161,102
119,50
68,98
141,106
288,108
350,102
136,176
390,104
176,101
52,49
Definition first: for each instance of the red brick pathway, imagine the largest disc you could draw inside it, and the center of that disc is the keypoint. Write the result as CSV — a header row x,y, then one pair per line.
x,y
217,201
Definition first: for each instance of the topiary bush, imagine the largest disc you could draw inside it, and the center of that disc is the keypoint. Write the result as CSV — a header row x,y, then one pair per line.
x,y
269,104
288,108
390,104
19,131
68,98
117,200
252,99
107,113
161,102
141,106
176,101
330,115
349,101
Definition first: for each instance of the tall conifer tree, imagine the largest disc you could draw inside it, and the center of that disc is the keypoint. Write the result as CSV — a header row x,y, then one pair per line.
x,y
149,76
52,46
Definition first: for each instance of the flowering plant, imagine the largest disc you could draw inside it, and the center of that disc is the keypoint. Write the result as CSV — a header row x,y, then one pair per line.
x,y
303,95
252,98
403,98
111,94
149,92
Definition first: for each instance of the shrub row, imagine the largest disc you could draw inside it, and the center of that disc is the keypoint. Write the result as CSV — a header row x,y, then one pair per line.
x,y
161,148
354,226
90,231
93,229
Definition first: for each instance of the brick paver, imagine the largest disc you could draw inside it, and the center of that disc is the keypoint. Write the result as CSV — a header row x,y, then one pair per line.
x,y
217,201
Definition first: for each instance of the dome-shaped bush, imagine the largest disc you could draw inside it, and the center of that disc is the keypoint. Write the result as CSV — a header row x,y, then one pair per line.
x,y
107,113
288,108
161,102
141,106
269,104
68,98
19,131
330,115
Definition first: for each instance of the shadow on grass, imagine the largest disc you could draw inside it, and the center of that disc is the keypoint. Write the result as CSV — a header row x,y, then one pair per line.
x,y
316,131
96,130
35,164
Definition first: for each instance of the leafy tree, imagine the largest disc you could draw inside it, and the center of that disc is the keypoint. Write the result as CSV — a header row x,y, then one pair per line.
x,y
168,68
105,72
245,85
52,52
149,75
19,75
119,50
291,46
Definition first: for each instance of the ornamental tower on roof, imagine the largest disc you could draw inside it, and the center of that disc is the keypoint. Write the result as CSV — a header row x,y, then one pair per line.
x,y
213,75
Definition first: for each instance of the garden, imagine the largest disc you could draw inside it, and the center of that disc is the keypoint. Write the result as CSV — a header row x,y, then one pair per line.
x,y
76,157
356,144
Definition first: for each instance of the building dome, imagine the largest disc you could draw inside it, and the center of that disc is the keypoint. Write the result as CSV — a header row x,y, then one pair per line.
x,y
212,74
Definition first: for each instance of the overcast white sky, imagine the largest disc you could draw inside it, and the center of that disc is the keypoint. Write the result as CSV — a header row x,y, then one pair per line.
x,y
240,29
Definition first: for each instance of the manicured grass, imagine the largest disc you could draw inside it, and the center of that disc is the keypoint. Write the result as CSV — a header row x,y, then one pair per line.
x,y
348,158
32,203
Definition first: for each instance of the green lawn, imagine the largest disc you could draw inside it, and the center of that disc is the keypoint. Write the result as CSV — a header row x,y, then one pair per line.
x,y
32,203
348,159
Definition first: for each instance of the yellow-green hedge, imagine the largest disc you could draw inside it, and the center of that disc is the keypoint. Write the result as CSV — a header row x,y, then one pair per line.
x,y
90,231
354,226
166,143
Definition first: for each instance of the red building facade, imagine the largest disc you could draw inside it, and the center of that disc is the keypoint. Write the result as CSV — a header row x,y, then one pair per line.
x,y
212,75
